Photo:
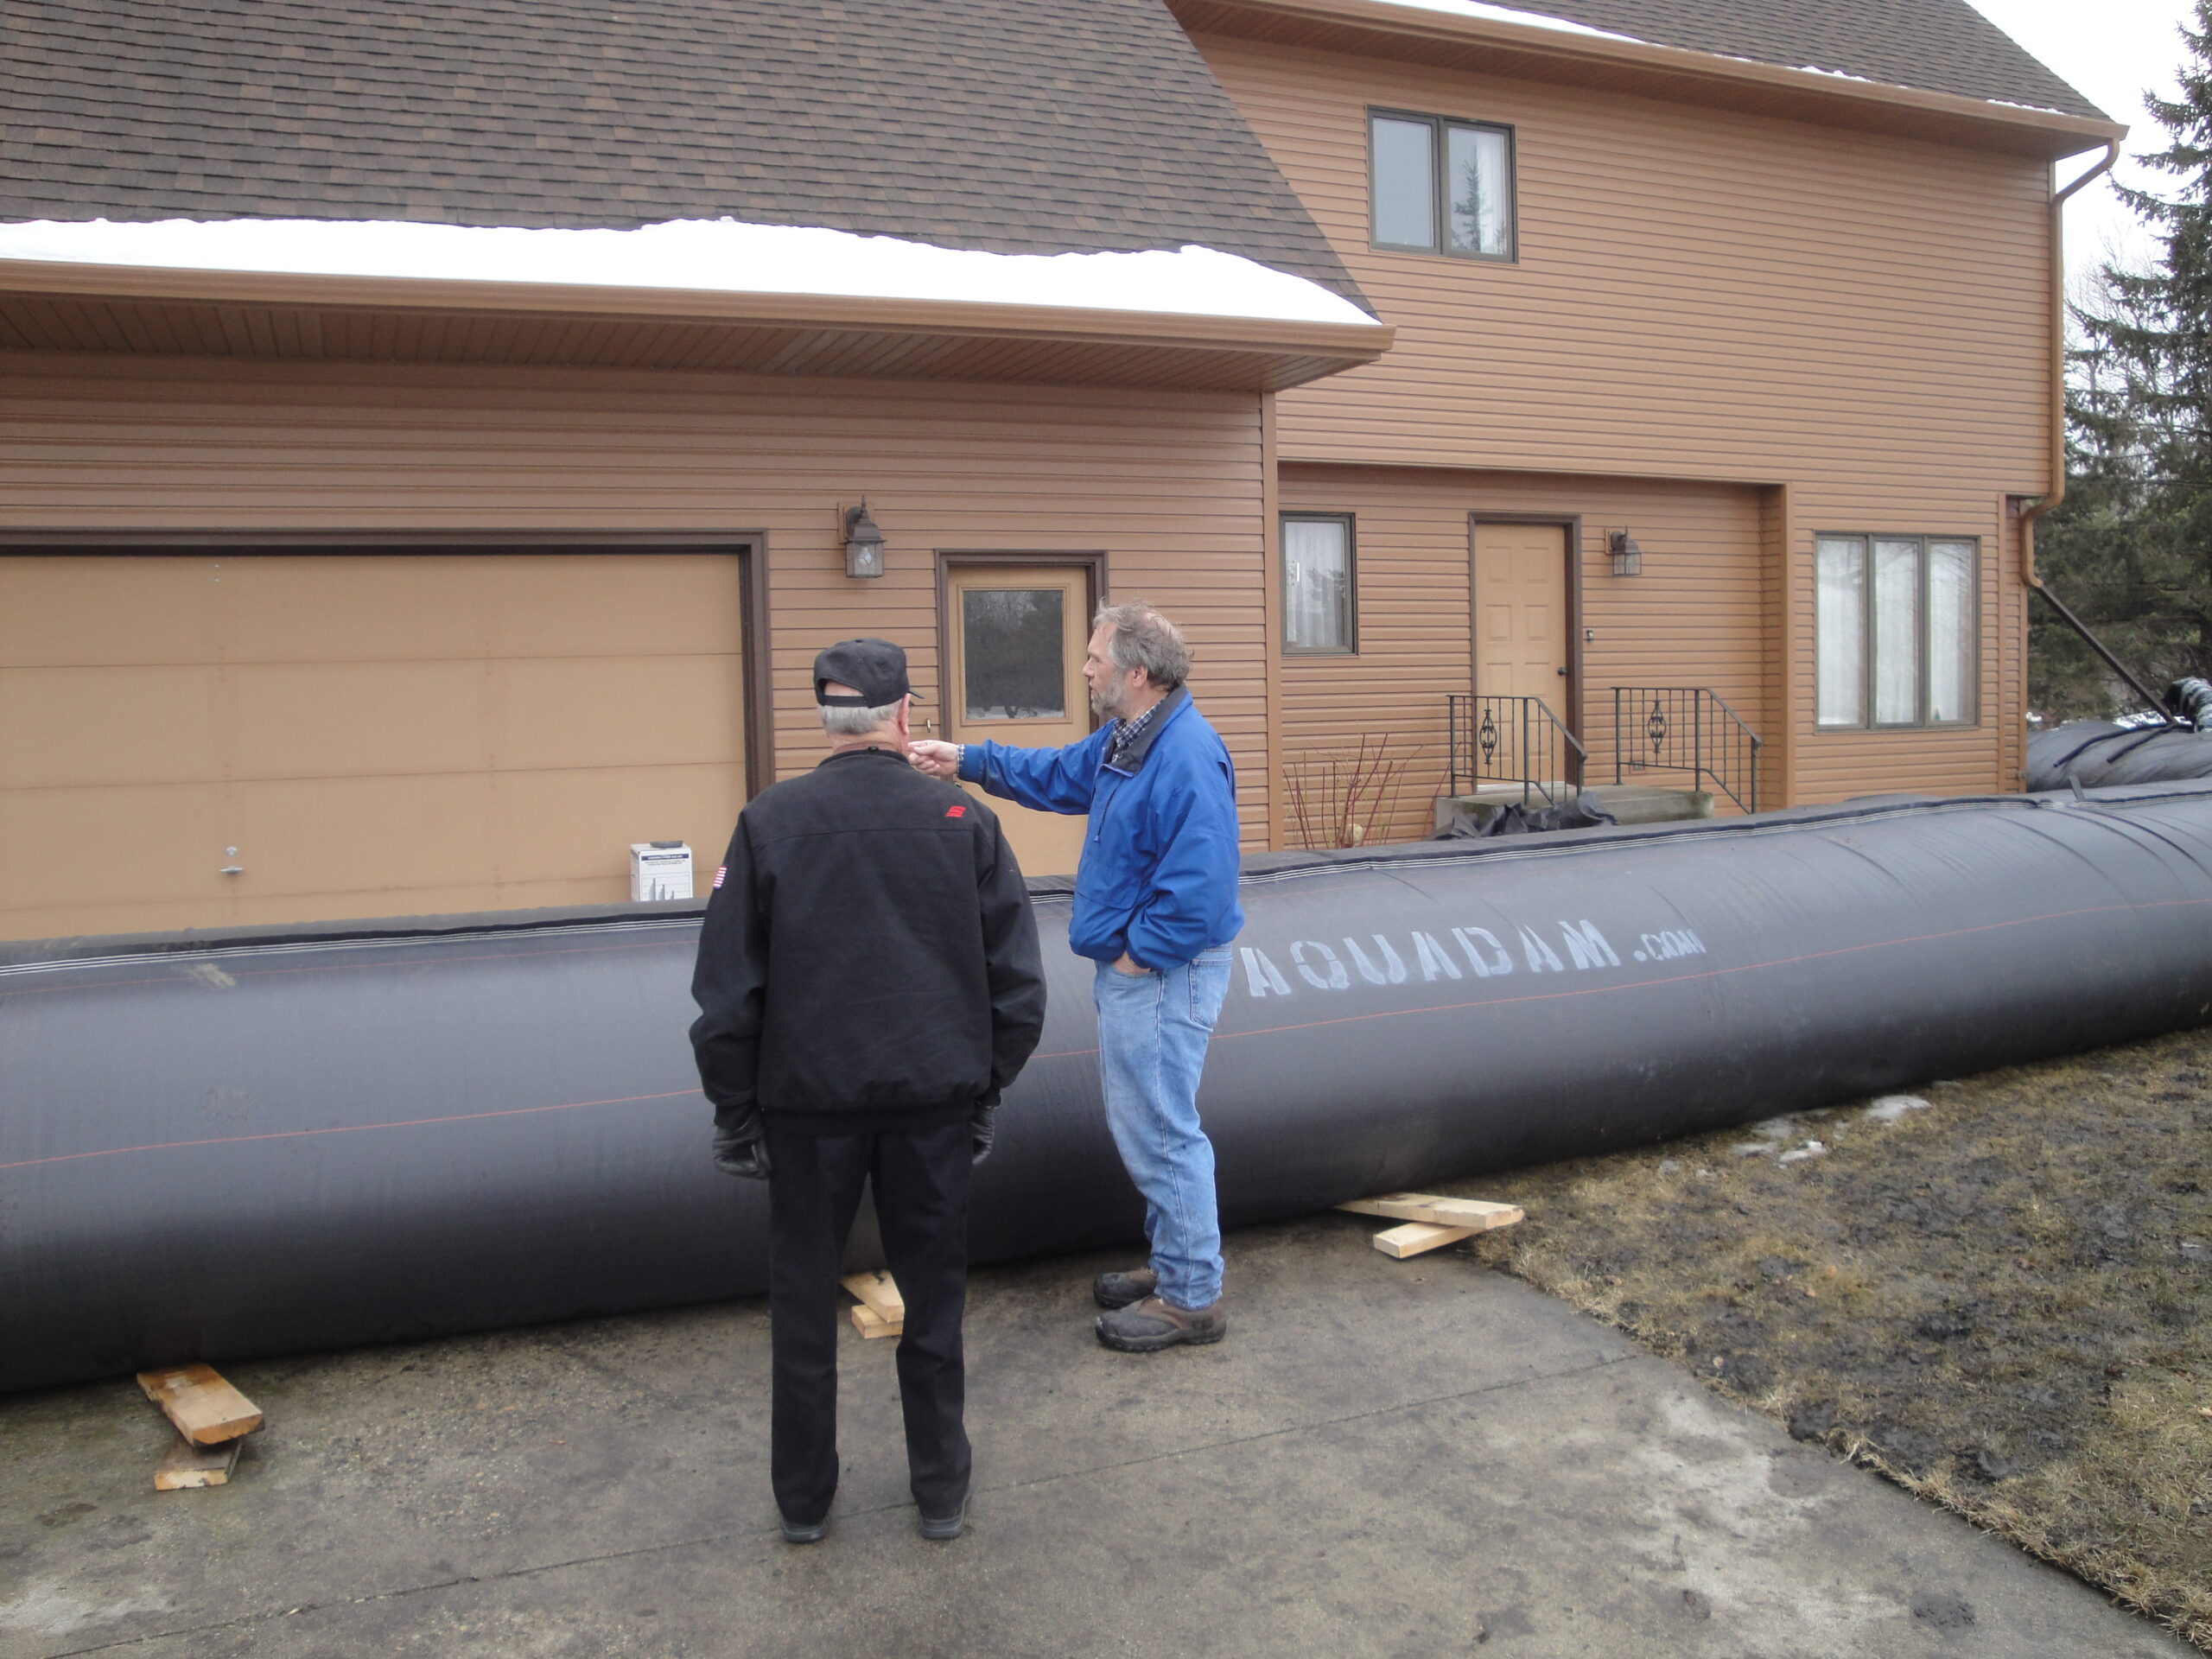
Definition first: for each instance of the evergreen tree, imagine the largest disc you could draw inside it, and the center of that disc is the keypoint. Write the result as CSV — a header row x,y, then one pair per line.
x,y
2131,548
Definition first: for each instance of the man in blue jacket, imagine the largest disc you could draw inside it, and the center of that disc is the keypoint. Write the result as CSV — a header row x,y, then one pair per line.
x,y
1155,908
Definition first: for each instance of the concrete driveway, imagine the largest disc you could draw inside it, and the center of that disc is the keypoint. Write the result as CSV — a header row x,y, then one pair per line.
x,y
1419,1458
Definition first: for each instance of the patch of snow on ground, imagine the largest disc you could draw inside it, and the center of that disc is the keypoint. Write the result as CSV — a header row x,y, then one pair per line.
x,y
721,255
1890,1108
1811,1149
1513,15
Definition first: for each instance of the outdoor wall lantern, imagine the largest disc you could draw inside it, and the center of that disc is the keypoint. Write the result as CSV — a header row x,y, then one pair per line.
x,y
863,543
1628,557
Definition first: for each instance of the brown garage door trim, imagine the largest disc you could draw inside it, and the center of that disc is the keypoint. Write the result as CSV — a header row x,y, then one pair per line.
x,y
750,547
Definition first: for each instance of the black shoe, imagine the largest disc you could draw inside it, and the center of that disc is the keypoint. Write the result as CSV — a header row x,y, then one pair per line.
x,y
1112,1290
940,1527
1151,1324
812,1532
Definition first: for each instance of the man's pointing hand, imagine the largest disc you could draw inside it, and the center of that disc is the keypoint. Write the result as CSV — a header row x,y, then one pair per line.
x,y
936,758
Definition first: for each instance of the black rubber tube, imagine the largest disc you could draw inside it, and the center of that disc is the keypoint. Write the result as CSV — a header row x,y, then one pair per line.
x,y
220,1147
2097,754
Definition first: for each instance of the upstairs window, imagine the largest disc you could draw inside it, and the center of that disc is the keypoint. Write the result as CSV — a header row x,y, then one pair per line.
x,y
1896,630
1440,186
1316,582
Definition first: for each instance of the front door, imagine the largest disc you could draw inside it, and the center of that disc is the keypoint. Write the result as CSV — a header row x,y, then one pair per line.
x,y
1017,634
1521,643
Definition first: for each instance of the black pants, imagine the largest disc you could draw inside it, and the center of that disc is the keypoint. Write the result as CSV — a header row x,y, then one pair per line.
x,y
921,1200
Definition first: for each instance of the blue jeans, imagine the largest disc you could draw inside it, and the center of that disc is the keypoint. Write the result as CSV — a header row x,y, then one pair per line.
x,y
1153,1030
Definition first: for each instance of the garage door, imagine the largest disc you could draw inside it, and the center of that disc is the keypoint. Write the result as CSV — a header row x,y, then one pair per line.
x,y
356,734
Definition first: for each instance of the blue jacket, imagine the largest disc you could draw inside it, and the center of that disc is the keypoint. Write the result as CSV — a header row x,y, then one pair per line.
x,y
1157,877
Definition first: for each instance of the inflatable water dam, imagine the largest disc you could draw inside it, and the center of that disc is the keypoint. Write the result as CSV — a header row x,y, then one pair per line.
x,y
2098,753
215,1147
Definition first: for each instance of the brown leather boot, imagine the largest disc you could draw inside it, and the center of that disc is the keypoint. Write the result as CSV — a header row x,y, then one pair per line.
x,y
1147,1327
1120,1289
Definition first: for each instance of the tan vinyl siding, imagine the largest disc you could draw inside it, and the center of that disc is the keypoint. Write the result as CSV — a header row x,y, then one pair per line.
x,y
1167,484
1694,617
1855,322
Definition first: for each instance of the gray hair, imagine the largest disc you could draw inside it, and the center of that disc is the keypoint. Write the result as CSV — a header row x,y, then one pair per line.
x,y
856,722
1144,639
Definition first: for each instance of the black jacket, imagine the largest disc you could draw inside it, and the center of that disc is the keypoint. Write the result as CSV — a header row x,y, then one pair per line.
x,y
869,959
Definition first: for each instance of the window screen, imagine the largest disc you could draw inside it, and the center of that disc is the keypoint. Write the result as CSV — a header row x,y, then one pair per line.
x,y
1950,630
1840,609
1316,582
1011,648
1405,183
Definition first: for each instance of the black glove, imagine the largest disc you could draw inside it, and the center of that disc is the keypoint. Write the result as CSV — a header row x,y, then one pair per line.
x,y
981,1132
741,1144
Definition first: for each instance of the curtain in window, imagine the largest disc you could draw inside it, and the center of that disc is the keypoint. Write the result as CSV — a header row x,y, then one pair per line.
x,y
1317,583
1840,612
1896,632
1404,192
1481,193
1950,630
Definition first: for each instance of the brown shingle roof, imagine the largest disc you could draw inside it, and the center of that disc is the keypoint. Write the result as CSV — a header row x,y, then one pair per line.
x,y
1938,46
1024,126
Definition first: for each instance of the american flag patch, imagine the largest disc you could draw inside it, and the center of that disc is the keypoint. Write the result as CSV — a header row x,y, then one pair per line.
x,y
721,870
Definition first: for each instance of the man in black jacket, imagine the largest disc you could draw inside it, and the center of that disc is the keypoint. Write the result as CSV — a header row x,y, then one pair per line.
x,y
869,982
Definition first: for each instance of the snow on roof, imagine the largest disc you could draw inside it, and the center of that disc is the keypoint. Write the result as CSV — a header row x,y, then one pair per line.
x,y
1513,15
1540,20
721,255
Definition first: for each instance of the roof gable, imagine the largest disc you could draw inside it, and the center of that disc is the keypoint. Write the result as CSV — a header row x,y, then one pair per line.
x,y
1014,125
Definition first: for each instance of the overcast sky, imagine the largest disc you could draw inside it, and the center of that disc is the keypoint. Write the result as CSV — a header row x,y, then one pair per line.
x,y
2111,50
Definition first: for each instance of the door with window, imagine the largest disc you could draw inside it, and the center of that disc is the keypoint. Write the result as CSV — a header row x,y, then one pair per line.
x,y
1016,635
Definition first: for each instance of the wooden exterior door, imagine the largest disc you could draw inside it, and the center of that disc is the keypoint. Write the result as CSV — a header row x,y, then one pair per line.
x,y
1521,613
1015,637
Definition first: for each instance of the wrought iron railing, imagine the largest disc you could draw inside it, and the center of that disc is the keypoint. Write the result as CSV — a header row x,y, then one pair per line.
x,y
1510,740
1685,728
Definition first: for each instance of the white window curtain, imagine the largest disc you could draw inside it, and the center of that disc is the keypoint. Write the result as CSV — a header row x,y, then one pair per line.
x,y
1896,632
1840,611
1950,630
1317,583
1481,191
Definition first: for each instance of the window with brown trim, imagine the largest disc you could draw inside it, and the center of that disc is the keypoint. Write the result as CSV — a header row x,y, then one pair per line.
x,y
1897,639
1319,584
1437,185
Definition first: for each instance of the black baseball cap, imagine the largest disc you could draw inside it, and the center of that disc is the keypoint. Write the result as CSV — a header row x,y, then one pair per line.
x,y
875,669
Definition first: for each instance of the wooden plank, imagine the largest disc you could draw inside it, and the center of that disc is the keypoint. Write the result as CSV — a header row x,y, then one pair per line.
x,y
1476,1215
206,1409
870,1323
1416,1237
185,1466
878,1292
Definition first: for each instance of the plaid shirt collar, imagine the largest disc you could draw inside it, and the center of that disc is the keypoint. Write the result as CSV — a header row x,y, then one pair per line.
x,y
1127,732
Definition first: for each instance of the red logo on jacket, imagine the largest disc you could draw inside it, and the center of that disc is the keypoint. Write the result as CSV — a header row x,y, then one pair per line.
x,y
956,811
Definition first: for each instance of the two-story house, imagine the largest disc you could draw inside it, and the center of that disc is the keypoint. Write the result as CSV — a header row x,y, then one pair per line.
x,y
434,442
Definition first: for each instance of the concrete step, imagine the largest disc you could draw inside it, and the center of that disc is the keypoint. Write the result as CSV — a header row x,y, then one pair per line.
x,y
1628,803
1648,803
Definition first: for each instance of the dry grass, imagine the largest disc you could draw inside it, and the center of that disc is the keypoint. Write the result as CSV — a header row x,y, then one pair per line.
x,y
2002,1301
